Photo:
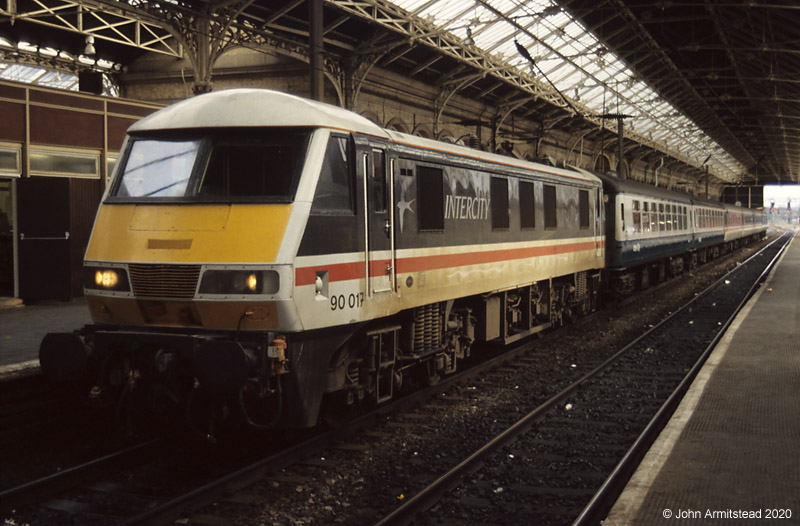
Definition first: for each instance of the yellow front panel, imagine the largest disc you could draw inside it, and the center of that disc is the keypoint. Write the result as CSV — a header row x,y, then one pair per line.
x,y
188,233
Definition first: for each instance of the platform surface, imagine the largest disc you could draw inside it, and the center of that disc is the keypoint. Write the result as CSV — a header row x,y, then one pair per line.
x,y
731,453
22,328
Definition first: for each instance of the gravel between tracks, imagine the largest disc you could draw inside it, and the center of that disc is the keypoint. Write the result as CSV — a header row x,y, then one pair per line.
x,y
354,485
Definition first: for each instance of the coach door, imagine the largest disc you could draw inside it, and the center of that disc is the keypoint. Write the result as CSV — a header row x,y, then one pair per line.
x,y
598,221
378,190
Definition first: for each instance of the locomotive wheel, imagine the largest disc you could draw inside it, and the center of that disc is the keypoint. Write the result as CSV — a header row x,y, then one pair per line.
x,y
336,410
429,374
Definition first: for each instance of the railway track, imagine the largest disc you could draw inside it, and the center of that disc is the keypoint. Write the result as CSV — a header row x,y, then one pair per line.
x,y
314,477
566,461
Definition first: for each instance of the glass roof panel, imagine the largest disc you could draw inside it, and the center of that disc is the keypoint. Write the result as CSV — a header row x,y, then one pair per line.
x,y
572,59
52,78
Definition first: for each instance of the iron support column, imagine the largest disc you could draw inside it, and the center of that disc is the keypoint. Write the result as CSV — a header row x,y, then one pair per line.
x,y
315,33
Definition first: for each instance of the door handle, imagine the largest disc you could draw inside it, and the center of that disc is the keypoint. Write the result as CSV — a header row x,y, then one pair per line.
x,y
22,237
387,227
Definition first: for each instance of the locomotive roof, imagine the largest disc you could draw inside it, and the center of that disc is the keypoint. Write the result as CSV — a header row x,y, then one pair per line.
x,y
634,187
254,108
266,108
480,155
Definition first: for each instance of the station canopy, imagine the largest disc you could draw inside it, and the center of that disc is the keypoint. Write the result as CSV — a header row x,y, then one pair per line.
x,y
711,86
563,53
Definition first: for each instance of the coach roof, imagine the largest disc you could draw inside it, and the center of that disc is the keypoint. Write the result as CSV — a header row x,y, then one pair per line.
x,y
254,108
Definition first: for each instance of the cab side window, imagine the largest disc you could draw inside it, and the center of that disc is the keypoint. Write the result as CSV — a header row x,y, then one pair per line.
x,y
334,193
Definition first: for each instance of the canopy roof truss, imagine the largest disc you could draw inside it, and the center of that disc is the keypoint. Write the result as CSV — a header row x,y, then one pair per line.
x,y
574,64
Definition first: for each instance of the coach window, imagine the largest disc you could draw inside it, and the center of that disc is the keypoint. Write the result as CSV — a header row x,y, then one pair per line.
x,y
645,217
583,208
637,217
550,208
667,218
527,206
430,196
670,214
499,203
335,187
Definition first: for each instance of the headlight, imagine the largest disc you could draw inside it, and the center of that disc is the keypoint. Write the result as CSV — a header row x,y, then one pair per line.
x,y
104,278
240,282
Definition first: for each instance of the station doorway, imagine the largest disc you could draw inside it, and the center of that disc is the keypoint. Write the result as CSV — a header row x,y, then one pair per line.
x,y
7,233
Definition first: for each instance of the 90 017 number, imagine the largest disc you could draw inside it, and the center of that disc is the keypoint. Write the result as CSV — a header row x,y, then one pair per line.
x,y
350,301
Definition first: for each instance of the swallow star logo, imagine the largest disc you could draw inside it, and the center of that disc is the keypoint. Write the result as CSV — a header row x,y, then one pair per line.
x,y
402,206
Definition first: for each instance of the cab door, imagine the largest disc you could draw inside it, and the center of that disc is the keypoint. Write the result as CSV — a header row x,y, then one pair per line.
x,y
378,198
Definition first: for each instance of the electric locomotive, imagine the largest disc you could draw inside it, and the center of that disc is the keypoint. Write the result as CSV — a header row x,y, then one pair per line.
x,y
262,255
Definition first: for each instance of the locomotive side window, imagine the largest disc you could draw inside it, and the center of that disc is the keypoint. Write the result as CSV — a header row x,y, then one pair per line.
x,y
583,208
499,203
335,187
550,207
430,196
527,205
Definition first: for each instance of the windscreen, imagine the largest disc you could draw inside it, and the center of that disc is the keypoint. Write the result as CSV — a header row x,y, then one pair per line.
x,y
216,166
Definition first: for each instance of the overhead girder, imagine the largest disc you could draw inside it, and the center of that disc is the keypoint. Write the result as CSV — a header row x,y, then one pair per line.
x,y
103,19
450,87
359,63
420,31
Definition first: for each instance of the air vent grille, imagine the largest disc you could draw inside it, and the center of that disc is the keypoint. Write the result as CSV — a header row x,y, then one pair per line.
x,y
164,281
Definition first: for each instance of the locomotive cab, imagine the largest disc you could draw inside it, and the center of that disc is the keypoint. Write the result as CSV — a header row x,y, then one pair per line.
x,y
189,273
